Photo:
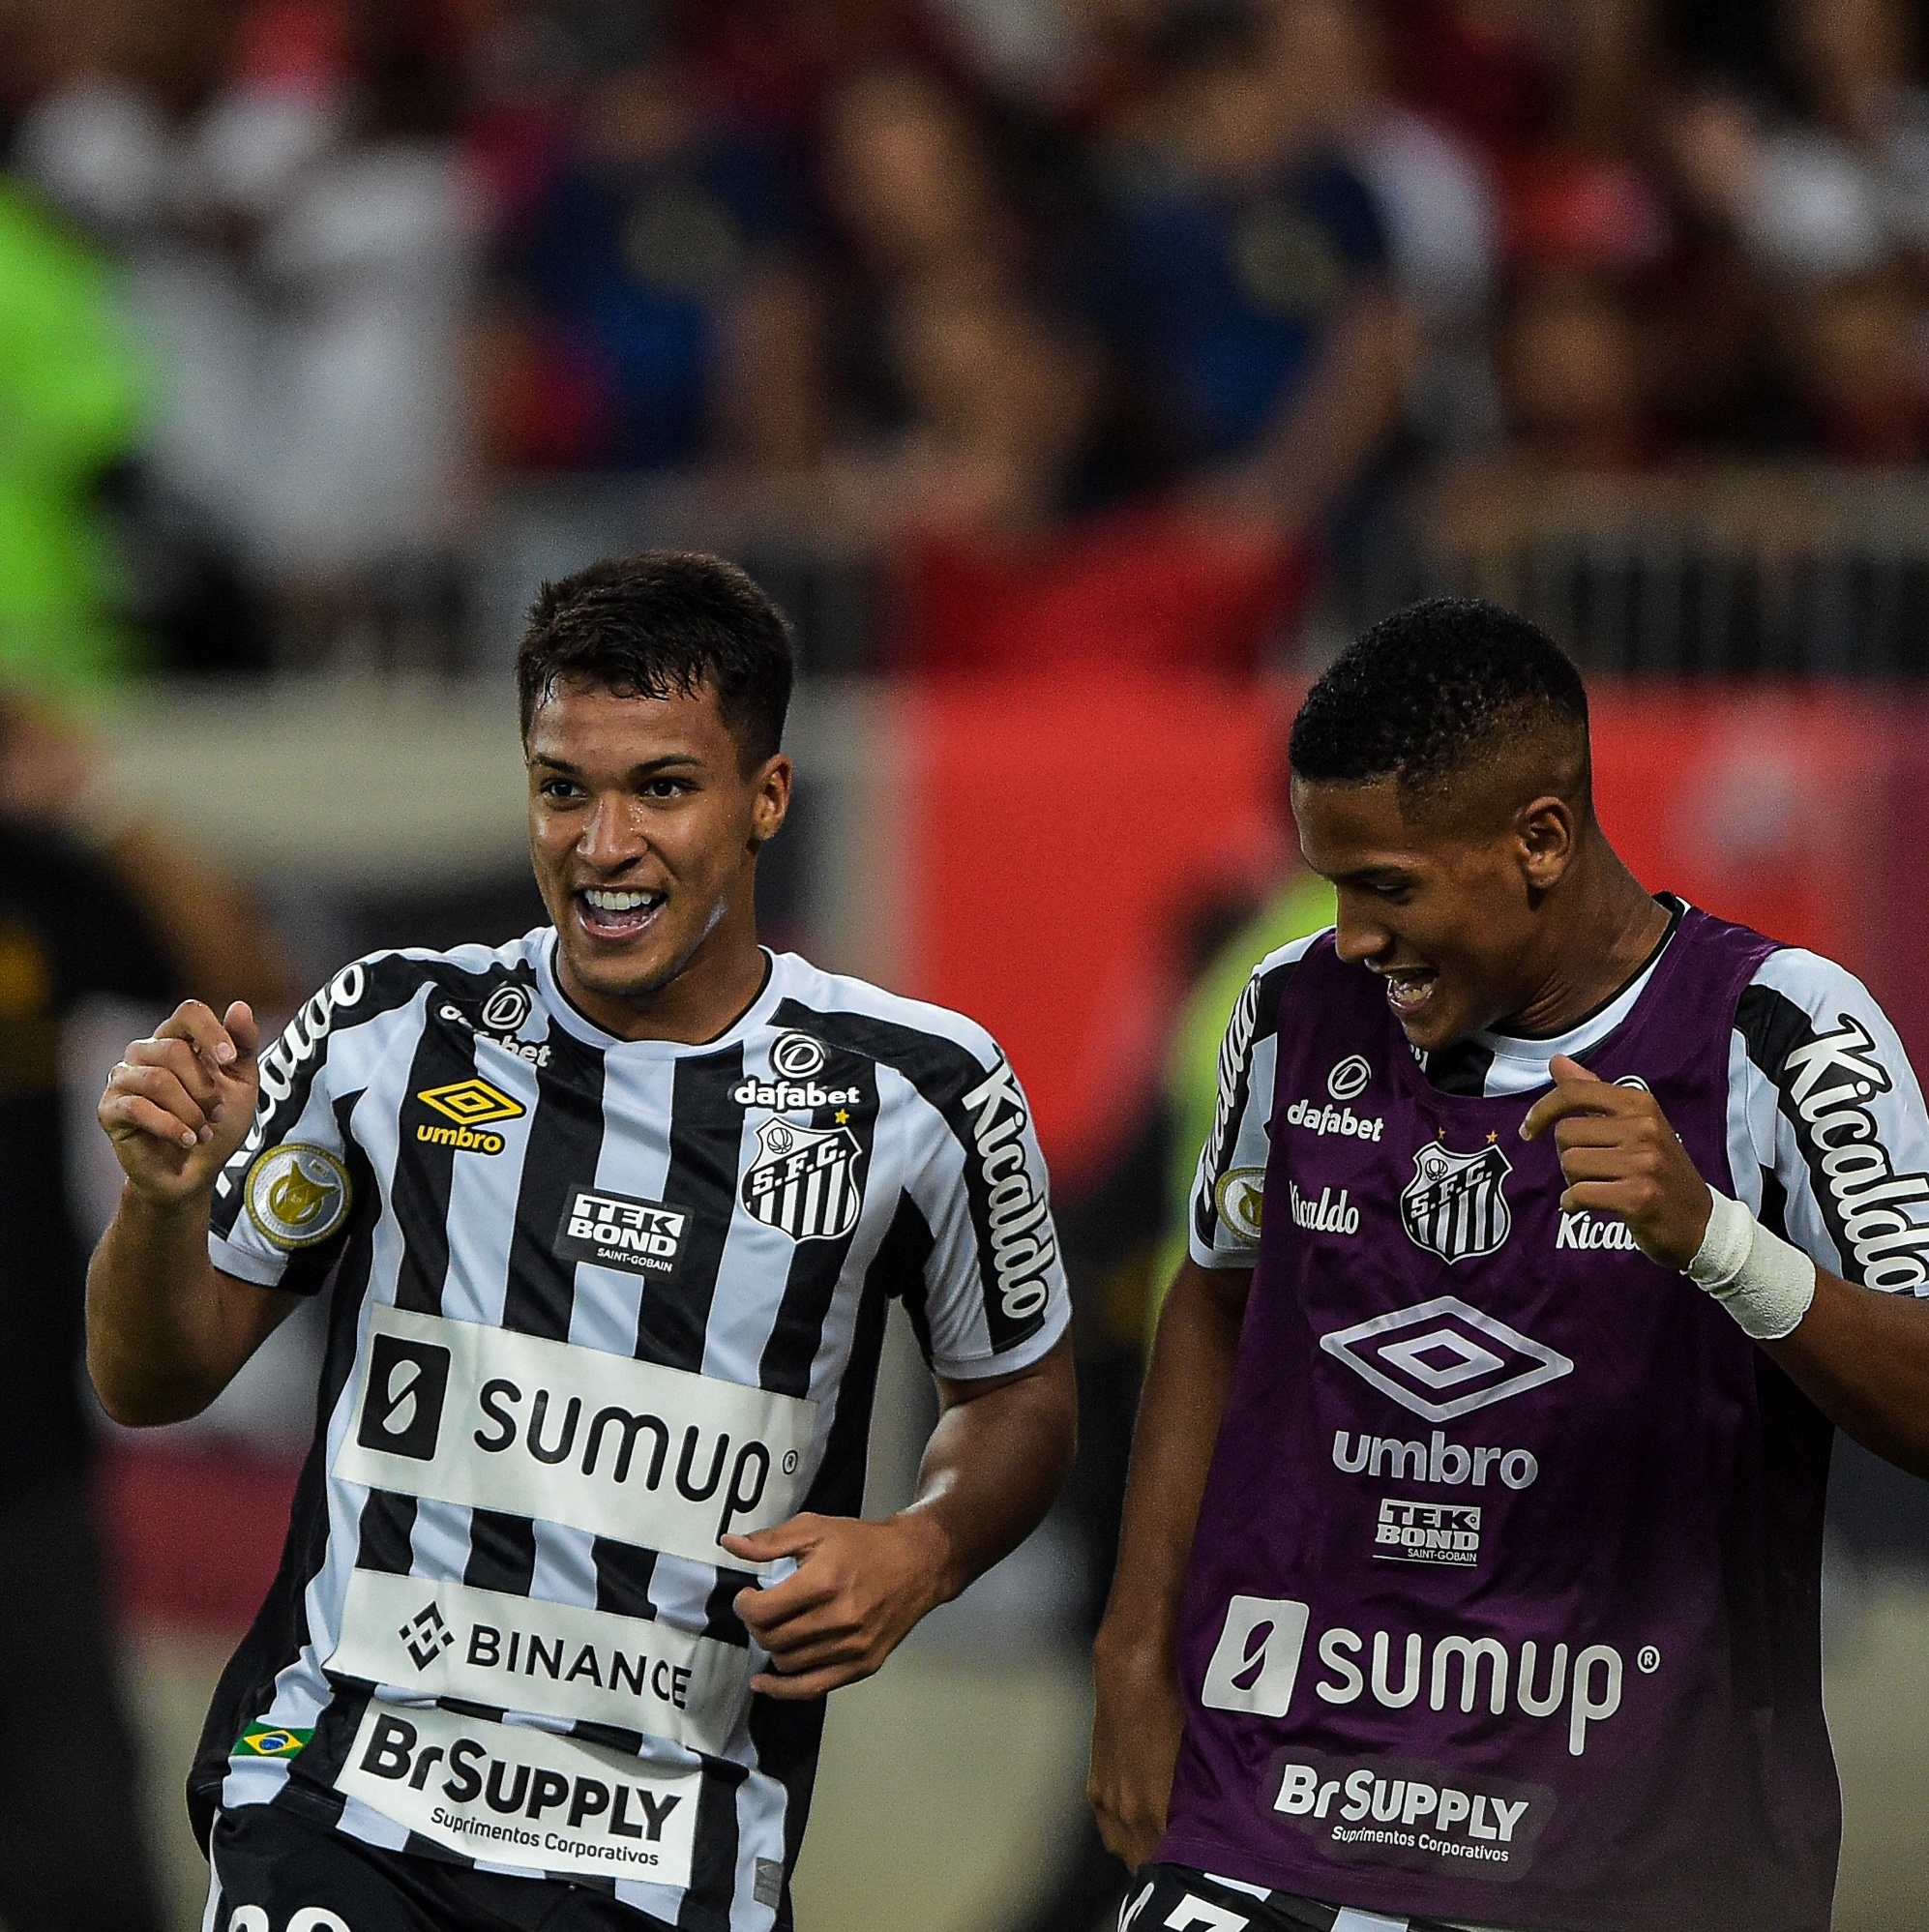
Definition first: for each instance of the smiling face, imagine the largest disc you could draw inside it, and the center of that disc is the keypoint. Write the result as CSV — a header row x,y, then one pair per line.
x,y
644,828
1445,905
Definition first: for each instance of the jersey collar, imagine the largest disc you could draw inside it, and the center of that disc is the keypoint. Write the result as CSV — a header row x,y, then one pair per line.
x,y
564,1014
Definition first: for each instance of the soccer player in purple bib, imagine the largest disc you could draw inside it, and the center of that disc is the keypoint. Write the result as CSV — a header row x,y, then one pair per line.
x,y
1470,1570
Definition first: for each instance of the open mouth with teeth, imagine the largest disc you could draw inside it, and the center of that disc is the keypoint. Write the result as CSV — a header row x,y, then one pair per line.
x,y
617,912
1409,991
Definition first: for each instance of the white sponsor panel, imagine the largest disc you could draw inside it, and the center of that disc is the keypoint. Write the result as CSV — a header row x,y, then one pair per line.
x,y
512,1796
443,1639
653,1456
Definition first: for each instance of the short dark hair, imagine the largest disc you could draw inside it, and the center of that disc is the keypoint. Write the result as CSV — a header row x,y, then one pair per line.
x,y
1432,690
667,621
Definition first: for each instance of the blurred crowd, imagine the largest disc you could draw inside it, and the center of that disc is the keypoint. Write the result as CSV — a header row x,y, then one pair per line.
x,y
1102,320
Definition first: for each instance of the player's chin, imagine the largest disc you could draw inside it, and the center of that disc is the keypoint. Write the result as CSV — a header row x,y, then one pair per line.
x,y
623,968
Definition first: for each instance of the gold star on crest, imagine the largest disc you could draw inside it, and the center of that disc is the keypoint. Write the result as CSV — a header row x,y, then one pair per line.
x,y
843,1117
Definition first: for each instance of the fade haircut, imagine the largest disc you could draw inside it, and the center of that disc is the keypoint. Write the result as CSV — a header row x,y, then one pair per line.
x,y
1438,692
666,623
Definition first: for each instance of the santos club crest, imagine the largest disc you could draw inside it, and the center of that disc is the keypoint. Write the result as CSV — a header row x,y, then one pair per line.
x,y
804,1180
1454,1206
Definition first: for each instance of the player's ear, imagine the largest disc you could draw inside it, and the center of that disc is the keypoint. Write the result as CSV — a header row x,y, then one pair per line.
x,y
1547,836
770,803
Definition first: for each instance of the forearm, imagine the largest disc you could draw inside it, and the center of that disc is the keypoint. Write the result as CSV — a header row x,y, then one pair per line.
x,y
165,1330
991,1467
1172,1453
1862,1359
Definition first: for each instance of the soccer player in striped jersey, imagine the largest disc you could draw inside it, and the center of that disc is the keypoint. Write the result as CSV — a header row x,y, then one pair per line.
x,y
610,1217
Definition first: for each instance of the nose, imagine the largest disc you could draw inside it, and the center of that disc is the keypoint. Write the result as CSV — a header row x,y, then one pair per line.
x,y
1357,935
611,837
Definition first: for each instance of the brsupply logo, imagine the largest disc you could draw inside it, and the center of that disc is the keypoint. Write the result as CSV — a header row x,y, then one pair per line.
x,y
1444,1359
1254,1669
557,1660
515,1795
1409,1815
618,1231
1428,1532
595,1441
471,1104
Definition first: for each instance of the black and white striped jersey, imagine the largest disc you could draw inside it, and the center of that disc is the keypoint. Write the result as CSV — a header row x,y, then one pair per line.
x,y
595,1303
1828,1136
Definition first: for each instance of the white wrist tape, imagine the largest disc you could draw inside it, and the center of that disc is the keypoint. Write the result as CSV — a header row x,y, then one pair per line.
x,y
1760,1279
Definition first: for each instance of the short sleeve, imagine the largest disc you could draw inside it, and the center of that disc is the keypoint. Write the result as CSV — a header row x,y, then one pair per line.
x,y
1828,1140
989,1294
1229,1187
283,1202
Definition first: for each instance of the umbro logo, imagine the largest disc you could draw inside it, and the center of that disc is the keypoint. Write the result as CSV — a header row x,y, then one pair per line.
x,y
471,1104
1444,1359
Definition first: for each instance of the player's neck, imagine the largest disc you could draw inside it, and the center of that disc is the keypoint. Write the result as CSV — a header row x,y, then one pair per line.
x,y
1599,937
718,986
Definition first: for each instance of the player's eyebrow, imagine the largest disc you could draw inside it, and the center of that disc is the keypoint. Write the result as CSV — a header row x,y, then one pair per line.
x,y
647,769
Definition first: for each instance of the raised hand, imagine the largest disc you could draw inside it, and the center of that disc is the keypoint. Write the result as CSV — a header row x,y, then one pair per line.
x,y
179,1105
1619,1155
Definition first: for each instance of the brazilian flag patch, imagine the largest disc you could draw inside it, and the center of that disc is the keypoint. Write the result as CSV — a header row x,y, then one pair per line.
x,y
269,1741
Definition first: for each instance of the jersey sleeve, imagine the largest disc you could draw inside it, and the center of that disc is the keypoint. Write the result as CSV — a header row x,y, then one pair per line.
x,y
1828,1140
1228,1186
988,1295
283,1204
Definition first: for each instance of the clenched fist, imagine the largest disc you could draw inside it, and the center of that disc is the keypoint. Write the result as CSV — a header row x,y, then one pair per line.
x,y
179,1105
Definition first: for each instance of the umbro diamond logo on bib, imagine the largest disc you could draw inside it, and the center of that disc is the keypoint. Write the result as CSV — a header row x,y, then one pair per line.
x,y
804,1180
1455,1205
1443,1358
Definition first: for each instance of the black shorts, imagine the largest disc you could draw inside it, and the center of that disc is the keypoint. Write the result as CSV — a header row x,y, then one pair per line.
x,y
1174,1895
274,1872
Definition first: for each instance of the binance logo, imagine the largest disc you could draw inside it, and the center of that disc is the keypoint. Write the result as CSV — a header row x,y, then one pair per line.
x,y
471,1104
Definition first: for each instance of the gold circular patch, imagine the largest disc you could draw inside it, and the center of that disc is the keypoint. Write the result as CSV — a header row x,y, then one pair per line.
x,y
297,1195
1240,1197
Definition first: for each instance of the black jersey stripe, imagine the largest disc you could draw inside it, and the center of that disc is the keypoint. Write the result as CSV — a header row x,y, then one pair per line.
x,y
502,1552
817,1265
713,1862
565,1144
1460,1069
705,1147
838,1487
425,1170
1772,1027
623,1574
